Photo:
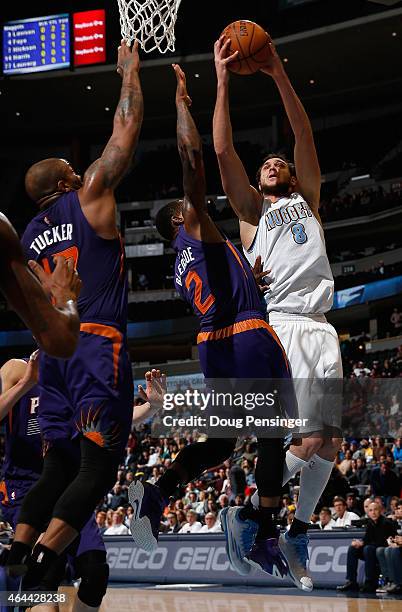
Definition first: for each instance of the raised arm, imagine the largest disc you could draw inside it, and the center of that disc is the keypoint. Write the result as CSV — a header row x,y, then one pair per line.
x,y
103,176
306,161
17,378
244,199
197,222
56,329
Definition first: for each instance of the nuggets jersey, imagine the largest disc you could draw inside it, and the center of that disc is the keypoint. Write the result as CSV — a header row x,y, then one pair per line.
x,y
216,280
63,229
23,445
291,243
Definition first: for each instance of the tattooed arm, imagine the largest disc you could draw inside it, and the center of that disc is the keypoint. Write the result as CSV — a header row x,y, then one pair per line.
x,y
197,222
102,177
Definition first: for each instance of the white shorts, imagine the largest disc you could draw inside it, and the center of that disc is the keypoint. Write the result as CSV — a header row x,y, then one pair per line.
x,y
312,347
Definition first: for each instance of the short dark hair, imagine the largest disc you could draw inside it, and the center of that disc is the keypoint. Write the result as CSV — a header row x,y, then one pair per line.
x,y
327,510
163,219
338,498
291,166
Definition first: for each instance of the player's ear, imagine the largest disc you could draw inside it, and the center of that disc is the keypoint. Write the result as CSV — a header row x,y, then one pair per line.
x,y
61,186
293,181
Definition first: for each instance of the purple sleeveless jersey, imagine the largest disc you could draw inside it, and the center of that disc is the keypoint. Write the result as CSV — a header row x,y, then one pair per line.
x,y
235,340
92,392
63,229
216,280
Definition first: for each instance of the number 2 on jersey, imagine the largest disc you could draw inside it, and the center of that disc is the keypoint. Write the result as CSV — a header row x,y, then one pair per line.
x,y
299,234
204,306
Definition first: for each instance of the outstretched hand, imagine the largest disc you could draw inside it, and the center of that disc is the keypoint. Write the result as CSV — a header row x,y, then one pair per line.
x,y
274,65
155,389
127,58
223,57
181,90
259,275
63,283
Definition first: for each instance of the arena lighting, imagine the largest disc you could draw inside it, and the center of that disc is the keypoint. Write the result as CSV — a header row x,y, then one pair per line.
x,y
312,82
197,76
88,87
107,109
360,178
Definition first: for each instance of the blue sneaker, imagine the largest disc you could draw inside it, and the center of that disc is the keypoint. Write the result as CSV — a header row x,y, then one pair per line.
x,y
148,505
295,552
266,556
240,535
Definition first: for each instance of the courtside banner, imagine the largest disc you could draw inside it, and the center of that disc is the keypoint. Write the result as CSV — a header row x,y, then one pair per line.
x,y
201,558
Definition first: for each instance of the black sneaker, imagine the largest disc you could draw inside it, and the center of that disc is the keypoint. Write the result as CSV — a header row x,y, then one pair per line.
x,y
348,586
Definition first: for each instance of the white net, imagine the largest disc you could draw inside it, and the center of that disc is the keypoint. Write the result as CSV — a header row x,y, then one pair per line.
x,y
151,22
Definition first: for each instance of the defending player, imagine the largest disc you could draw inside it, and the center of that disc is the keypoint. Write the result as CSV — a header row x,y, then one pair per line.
x,y
234,342
91,394
281,223
55,327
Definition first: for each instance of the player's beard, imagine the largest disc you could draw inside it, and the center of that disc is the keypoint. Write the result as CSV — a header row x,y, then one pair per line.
x,y
281,188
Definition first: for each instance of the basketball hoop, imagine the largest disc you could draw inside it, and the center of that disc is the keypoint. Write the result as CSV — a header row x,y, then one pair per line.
x,y
151,22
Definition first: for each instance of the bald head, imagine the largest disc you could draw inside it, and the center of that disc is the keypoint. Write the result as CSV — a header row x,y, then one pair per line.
x,y
50,176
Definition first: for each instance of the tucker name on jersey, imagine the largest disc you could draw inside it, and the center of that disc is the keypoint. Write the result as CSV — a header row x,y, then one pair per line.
x,y
58,233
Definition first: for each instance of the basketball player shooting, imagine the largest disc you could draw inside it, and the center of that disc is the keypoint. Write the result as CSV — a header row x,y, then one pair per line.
x,y
89,397
55,328
281,223
234,342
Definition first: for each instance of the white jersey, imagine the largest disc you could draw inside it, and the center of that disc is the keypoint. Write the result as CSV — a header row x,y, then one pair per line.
x,y
291,243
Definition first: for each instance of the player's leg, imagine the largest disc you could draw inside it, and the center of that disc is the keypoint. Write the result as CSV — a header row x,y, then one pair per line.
x,y
317,359
59,468
148,501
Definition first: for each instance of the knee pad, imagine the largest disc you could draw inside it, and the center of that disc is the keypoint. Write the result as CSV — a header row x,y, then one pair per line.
x,y
96,476
93,570
59,469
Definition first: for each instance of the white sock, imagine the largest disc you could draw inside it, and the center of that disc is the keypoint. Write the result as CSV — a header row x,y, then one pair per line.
x,y
292,465
313,480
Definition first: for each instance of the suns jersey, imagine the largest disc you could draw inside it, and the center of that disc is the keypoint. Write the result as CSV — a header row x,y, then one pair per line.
x,y
23,445
216,280
63,229
291,243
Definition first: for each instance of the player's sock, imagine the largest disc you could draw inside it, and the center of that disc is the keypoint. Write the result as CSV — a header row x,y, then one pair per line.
x,y
297,527
313,480
249,513
38,564
293,464
267,518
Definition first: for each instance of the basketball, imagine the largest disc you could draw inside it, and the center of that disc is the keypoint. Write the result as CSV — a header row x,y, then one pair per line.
x,y
252,43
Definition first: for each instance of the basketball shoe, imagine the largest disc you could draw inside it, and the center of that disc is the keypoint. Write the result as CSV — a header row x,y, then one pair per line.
x,y
267,556
148,505
240,536
295,552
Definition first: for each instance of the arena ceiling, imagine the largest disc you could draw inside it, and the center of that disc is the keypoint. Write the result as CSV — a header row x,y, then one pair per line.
x,y
341,67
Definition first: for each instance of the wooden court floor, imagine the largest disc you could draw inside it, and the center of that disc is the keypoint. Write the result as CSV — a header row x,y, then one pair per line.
x,y
160,600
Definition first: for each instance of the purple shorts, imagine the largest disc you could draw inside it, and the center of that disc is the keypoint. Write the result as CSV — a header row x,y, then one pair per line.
x,y
246,349
91,393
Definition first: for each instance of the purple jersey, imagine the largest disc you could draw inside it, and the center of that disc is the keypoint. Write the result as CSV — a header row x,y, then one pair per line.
x,y
216,280
23,445
63,229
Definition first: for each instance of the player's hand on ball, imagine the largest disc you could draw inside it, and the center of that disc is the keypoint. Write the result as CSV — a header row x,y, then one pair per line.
x,y
260,274
128,59
155,389
223,57
274,65
181,90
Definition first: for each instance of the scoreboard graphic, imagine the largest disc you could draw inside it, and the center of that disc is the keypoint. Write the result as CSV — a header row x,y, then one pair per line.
x,y
37,44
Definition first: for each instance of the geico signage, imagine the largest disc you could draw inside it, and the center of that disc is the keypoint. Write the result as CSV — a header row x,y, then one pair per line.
x,y
328,558
323,559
